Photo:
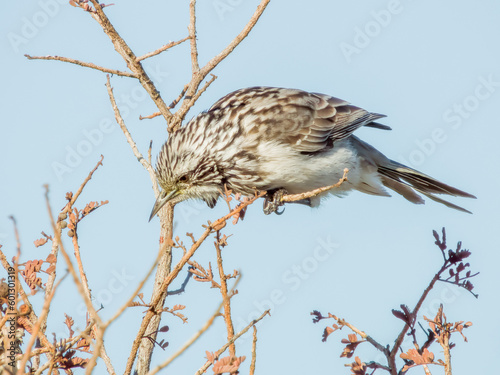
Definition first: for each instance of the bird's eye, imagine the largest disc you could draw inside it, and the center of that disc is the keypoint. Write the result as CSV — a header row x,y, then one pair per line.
x,y
183,179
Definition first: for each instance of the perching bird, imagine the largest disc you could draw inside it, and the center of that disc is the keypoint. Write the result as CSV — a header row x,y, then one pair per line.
x,y
283,140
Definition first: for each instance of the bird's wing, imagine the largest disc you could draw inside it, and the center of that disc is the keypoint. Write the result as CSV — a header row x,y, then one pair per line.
x,y
309,122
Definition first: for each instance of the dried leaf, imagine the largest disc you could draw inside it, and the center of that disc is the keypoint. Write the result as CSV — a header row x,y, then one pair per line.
x,y
69,323
210,356
40,242
317,316
228,365
326,333
416,358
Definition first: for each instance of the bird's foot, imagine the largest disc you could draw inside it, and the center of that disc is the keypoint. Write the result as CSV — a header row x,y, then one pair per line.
x,y
272,202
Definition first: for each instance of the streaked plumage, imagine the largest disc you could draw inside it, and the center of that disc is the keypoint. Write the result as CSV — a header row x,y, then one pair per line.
x,y
270,138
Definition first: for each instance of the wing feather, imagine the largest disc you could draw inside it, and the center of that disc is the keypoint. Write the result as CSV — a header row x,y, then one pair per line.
x,y
309,122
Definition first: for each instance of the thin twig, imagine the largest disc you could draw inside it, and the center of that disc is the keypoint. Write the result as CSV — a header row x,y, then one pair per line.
x,y
254,351
193,339
149,117
203,72
161,49
84,64
75,196
192,35
315,192
170,106
100,350
55,244
128,136
83,276
401,336
230,342
36,328
128,55
225,297
368,338
205,86
178,99
71,268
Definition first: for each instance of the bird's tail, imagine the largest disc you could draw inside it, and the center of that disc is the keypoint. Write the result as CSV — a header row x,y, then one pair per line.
x,y
408,181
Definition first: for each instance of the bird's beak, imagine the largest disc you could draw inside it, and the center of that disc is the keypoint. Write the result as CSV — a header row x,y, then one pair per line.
x,y
163,198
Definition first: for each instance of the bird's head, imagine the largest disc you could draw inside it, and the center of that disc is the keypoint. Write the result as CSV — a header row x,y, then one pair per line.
x,y
184,171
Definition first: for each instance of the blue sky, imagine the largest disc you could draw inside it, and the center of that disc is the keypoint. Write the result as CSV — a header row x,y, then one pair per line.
x,y
432,67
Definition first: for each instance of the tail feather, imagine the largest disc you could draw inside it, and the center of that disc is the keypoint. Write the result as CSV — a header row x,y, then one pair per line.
x,y
402,179
404,189
446,203
405,181
419,180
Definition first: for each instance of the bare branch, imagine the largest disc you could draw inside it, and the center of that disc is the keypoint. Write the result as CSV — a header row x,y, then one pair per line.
x,y
230,342
225,297
368,338
132,63
192,35
170,106
205,86
128,136
193,339
254,351
75,196
315,192
162,49
36,328
84,64
203,72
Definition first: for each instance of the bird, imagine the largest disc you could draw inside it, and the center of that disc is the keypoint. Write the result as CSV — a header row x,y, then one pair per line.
x,y
284,141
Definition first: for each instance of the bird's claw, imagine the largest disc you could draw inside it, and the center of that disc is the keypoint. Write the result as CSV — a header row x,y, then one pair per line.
x,y
273,202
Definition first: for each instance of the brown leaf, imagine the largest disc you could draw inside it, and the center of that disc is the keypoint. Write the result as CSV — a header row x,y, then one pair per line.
x,y
40,242
352,343
23,321
69,323
358,367
317,316
413,355
327,332
228,364
210,356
